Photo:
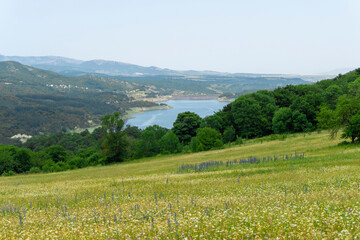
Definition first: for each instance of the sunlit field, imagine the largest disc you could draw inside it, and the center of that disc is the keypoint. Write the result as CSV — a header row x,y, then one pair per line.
x,y
306,188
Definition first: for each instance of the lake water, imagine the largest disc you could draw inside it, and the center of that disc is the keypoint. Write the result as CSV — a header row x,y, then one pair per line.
x,y
166,118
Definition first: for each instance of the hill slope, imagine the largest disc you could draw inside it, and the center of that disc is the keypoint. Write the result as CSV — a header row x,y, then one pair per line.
x,y
35,101
312,197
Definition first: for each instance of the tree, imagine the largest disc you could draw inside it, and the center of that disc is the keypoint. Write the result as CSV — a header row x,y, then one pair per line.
x,y
185,126
326,118
6,159
115,143
148,145
132,131
331,94
352,130
303,105
300,122
347,106
57,153
22,160
229,134
213,121
253,114
208,138
282,120
170,143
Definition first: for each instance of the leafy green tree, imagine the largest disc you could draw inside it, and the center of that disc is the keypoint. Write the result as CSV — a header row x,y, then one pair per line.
x,y
148,145
354,88
170,143
56,153
300,122
303,105
132,131
194,145
253,114
22,160
347,106
213,121
208,138
327,118
331,94
185,126
283,96
6,159
352,130
282,121
115,143
229,134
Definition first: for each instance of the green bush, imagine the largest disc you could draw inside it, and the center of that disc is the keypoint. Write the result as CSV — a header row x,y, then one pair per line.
x,y
239,140
93,160
9,173
35,170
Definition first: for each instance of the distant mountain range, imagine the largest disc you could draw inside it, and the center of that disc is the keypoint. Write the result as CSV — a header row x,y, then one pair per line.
x,y
68,66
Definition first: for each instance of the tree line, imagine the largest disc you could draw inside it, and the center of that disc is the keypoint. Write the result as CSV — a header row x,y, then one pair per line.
x,y
329,104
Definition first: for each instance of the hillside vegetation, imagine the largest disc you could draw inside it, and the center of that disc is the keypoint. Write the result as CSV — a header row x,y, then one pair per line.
x,y
35,101
330,104
312,196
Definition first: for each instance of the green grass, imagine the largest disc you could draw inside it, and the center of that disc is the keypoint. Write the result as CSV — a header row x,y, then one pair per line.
x,y
148,199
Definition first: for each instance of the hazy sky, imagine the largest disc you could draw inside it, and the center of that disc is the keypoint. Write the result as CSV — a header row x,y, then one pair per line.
x,y
259,36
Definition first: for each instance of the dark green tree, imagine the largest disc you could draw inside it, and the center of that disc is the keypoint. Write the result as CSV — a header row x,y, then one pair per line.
x,y
229,134
282,121
22,160
170,143
331,94
300,122
148,144
352,130
208,138
253,114
213,121
186,125
57,153
132,131
115,143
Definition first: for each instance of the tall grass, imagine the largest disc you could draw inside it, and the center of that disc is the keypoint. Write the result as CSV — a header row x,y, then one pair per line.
x,y
309,198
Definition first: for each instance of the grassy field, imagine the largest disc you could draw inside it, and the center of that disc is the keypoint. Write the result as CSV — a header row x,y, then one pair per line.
x,y
315,197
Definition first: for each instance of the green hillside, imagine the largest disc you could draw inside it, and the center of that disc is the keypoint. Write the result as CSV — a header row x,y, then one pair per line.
x,y
310,197
16,78
35,101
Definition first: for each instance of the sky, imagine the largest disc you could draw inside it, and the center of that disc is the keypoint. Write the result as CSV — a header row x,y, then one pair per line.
x,y
246,36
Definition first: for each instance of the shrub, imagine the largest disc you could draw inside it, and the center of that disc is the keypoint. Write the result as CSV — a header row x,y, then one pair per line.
x,y
239,140
34,170
9,173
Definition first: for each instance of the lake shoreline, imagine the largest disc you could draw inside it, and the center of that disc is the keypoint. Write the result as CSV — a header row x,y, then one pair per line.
x,y
129,113
188,97
202,107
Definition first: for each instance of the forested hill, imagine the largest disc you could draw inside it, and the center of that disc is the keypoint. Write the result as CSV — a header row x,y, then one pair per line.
x,y
16,78
333,104
34,101
330,104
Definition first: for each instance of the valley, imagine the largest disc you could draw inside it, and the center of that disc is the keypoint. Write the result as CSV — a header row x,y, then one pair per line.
x,y
34,101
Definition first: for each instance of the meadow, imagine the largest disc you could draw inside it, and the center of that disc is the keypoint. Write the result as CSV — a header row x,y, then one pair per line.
x,y
315,196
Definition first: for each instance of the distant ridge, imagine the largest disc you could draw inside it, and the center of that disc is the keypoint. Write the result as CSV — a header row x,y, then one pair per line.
x,y
69,66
